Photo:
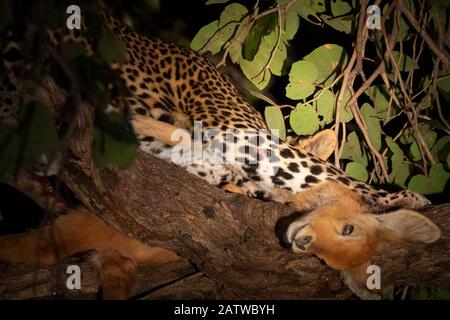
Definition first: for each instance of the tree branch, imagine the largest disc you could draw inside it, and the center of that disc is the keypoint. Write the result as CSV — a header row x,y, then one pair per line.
x,y
230,238
443,56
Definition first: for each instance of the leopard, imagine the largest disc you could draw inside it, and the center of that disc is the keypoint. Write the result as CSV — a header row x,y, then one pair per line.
x,y
339,219
177,85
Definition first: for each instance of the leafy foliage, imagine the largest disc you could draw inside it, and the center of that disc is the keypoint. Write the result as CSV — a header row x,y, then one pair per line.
x,y
275,121
414,155
85,78
21,146
114,142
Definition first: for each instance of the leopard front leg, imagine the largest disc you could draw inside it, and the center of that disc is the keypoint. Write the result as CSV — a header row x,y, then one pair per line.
x,y
381,200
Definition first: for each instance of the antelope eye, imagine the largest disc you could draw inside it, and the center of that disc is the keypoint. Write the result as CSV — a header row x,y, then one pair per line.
x,y
348,229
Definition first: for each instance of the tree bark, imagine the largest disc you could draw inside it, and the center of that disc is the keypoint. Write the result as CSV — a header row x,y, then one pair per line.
x,y
230,238
20,281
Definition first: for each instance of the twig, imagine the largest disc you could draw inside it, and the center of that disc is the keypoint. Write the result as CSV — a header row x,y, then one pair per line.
x,y
255,16
410,112
349,75
275,48
416,56
344,139
434,91
75,91
324,89
203,48
277,8
362,125
339,104
362,89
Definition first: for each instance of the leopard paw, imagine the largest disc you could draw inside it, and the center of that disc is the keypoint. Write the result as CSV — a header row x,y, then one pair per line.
x,y
408,200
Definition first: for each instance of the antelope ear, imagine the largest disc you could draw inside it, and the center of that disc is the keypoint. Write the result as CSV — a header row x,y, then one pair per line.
x,y
409,226
321,144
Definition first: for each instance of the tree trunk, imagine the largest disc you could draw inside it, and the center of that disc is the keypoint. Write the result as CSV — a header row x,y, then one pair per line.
x,y
231,237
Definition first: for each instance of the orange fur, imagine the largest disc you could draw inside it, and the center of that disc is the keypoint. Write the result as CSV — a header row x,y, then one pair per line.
x,y
230,187
321,144
332,206
117,255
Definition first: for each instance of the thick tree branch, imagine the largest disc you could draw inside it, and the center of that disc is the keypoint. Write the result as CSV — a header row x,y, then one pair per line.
x,y
229,238
27,282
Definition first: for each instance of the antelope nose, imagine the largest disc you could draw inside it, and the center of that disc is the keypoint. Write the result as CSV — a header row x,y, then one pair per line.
x,y
302,241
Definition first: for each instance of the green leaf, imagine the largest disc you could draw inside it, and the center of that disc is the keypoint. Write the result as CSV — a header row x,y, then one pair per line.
x,y
251,45
267,24
304,120
339,24
114,142
380,95
259,70
357,171
403,26
420,293
373,125
261,96
352,149
433,184
292,22
302,80
341,20
425,103
262,27
232,13
400,171
325,106
346,114
280,55
214,35
329,60
239,38
406,137
111,49
202,37
443,85
211,38
275,121
441,294
307,8
35,136
209,2
429,138
42,135
441,149
404,62
265,49
394,147
340,8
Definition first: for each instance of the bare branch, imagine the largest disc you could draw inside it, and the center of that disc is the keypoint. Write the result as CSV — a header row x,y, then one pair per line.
x,y
443,56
